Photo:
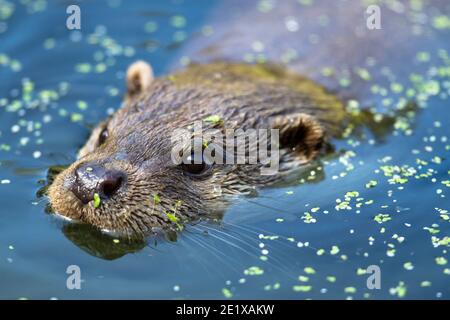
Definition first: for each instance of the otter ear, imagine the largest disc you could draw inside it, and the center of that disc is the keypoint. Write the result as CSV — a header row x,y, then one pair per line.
x,y
301,133
139,78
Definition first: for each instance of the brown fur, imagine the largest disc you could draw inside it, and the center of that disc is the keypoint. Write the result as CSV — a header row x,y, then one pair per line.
x,y
139,143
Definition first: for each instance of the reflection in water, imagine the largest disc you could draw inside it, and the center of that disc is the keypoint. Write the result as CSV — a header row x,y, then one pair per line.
x,y
99,244
380,125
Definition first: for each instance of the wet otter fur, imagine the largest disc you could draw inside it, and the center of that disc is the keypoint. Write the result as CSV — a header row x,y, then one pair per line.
x,y
154,193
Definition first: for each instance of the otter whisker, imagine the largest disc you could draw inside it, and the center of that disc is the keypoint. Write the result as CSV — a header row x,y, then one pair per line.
x,y
223,258
269,262
229,235
264,206
261,231
309,247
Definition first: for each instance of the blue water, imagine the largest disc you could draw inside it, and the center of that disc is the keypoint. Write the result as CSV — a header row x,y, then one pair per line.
x,y
83,71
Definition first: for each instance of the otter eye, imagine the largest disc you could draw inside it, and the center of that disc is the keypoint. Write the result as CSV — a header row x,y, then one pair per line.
x,y
195,169
103,136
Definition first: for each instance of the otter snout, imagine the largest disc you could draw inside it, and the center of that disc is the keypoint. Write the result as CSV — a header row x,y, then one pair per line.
x,y
94,178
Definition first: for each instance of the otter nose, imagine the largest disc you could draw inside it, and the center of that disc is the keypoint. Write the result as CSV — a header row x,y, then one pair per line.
x,y
91,179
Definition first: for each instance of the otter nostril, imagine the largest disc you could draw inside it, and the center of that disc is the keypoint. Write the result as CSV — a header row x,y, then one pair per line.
x,y
110,185
93,178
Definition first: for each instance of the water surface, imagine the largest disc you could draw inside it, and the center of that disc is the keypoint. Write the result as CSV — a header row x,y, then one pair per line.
x,y
381,200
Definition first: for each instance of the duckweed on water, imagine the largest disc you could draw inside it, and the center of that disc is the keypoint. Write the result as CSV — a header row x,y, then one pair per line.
x,y
275,286
408,266
331,279
441,22
12,64
400,290
254,271
350,290
361,271
371,184
303,278
301,288
334,250
381,218
309,270
178,21
441,261
227,293
308,218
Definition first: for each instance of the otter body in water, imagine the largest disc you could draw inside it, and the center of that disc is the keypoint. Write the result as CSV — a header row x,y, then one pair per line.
x,y
125,180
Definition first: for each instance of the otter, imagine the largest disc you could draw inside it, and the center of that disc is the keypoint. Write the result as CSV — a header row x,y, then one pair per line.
x,y
124,180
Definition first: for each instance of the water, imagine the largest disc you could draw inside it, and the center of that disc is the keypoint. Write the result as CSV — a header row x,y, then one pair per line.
x,y
310,239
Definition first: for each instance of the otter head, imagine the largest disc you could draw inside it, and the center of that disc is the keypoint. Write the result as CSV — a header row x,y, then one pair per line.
x,y
125,179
